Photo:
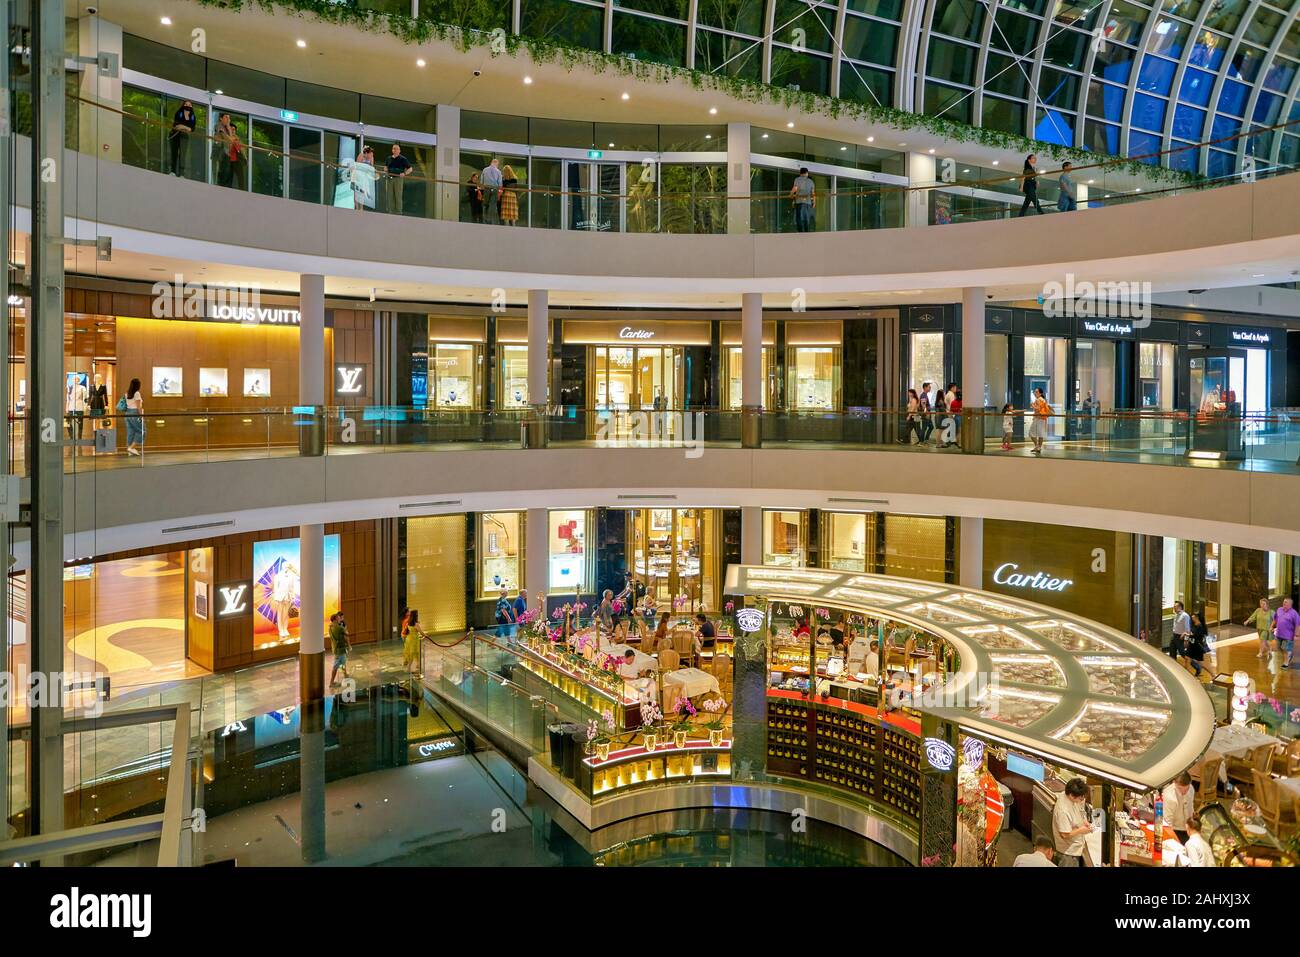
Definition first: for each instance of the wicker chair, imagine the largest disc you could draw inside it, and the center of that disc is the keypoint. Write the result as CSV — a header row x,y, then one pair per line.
x,y
1258,759
722,668
1287,763
1207,788
669,660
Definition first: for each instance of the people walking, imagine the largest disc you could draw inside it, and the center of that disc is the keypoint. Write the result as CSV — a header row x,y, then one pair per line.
x,y
1286,622
1038,427
940,419
1196,646
912,423
491,180
398,168
340,645
804,197
504,613
1262,620
1182,631
927,405
178,141
1067,201
1029,185
131,405
1008,426
474,194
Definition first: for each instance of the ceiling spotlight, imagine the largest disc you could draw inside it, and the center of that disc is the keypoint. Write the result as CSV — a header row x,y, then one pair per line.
x,y
528,81
1138,189
627,96
708,136
902,144
1091,181
419,62
931,150
790,125
764,136
713,111
217,92
965,171
166,21
843,148
871,139
301,44
995,162
611,145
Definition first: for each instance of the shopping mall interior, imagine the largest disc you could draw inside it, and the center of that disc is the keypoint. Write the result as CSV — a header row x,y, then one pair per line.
x,y
364,506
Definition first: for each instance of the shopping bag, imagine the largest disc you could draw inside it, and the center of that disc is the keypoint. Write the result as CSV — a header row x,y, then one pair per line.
x,y
343,196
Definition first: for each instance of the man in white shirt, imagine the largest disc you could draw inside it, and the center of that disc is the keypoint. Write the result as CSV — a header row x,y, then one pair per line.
x,y
630,673
1182,630
490,179
1040,856
1070,823
1180,804
1197,847
871,664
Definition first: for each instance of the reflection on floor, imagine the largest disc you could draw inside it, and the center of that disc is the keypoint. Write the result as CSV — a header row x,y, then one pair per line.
x,y
1237,649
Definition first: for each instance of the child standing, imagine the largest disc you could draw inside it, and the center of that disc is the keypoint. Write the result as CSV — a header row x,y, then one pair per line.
x,y
1008,426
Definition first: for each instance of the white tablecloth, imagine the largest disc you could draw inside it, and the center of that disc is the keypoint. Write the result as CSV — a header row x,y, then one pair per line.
x,y
642,662
1236,741
687,683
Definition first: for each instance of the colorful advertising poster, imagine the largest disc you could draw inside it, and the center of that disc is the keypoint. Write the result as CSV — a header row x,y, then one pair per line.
x,y
277,589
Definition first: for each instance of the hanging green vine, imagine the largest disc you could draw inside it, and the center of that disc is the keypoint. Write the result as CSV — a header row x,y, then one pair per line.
x,y
477,28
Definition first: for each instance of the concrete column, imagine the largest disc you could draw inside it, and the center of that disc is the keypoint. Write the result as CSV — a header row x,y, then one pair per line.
x,y
446,167
311,618
539,322
751,370
100,127
311,340
536,555
1225,585
311,778
920,172
972,346
738,178
751,535
970,561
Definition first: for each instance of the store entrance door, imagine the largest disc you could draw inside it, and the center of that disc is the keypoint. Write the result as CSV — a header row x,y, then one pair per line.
x,y
674,552
635,379
594,196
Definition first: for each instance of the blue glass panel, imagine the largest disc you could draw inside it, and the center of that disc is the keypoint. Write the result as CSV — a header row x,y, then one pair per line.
x,y
1208,50
1279,76
1144,146
1101,137
1225,126
1053,126
1232,98
1149,112
1156,75
1267,107
1221,164
1196,87
1189,123
1184,160
1290,152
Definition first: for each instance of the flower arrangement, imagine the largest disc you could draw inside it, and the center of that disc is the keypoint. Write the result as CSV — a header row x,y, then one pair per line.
x,y
680,602
717,709
1295,715
650,716
823,614
729,607
684,711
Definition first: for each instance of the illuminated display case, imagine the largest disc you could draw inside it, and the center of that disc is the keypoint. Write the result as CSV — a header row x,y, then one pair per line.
x,y
501,553
634,767
1241,841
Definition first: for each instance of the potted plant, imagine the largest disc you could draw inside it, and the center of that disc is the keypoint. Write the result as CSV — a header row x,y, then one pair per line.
x,y
650,716
682,726
599,734
717,709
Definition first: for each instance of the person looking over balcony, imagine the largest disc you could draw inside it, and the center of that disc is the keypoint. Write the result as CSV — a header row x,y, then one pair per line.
x,y
398,168
491,180
474,193
178,141
804,196
509,197
229,154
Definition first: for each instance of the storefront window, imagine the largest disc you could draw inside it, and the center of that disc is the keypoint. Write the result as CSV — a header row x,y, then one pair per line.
x,y
1094,374
452,367
783,539
814,373
1156,375
435,570
514,377
501,550
735,366
567,549
848,541
1045,368
675,554
926,363
916,546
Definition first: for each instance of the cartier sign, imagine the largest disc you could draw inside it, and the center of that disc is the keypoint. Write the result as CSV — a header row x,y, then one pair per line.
x,y
627,332
1010,574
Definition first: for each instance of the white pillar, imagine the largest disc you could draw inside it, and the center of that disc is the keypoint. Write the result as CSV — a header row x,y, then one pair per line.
x,y
446,168
311,339
99,118
536,555
539,321
738,174
751,535
972,347
970,561
920,172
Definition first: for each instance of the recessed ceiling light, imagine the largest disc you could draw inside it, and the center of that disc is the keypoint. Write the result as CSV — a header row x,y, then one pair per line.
x,y
708,136
764,136
166,21
528,81
871,139
843,148
902,144
931,150
995,162
627,96
965,171
611,145
302,43
217,92
1091,181
790,125
713,111
1258,275
1137,189
419,62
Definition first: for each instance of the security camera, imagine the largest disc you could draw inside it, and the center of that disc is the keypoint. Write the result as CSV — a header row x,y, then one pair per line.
x,y
478,72
92,10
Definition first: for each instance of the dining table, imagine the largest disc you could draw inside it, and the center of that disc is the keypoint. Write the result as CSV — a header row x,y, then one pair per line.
x,y
1235,741
686,683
